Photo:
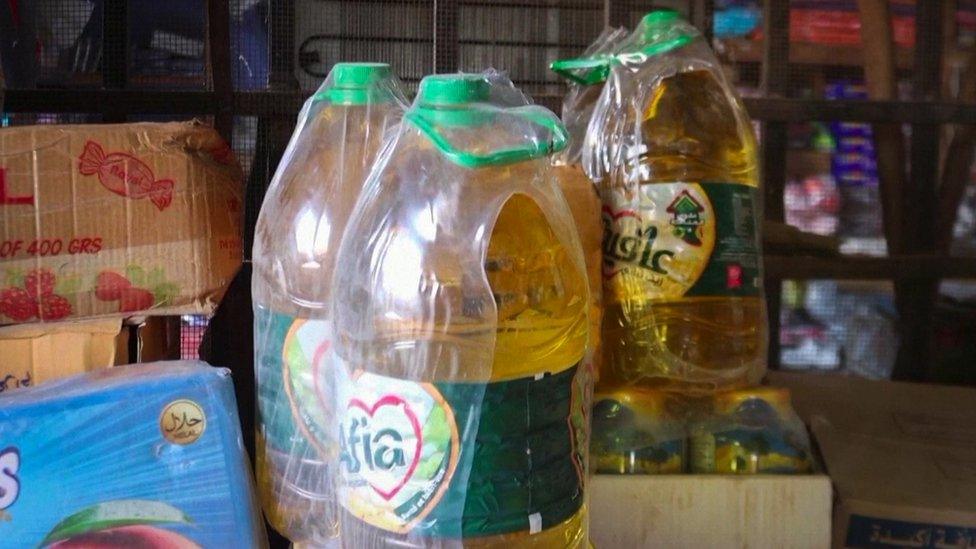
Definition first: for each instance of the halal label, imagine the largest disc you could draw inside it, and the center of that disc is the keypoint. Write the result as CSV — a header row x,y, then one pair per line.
x,y
182,422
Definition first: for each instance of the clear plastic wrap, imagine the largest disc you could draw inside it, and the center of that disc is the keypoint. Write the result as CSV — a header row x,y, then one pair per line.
x,y
132,456
460,313
743,431
340,130
585,88
672,150
580,193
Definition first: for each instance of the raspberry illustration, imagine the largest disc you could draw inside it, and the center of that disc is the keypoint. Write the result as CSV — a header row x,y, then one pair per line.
x,y
109,286
39,282
135,299
54,307
17,304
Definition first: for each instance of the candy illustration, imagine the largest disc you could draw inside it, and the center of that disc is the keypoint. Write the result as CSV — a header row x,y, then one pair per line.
x,y
125,175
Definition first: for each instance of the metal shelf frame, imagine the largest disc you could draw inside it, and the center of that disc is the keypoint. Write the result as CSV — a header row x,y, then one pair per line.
x,y
916,267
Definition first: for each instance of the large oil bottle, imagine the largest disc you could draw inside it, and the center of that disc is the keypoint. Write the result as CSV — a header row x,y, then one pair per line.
x,y
461,333
304,214
674,153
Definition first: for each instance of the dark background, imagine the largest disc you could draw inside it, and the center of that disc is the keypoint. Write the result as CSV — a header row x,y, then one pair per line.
x,y
889,294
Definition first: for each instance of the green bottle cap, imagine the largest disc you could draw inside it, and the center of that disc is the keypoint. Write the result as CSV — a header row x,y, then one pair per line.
x,y
356,83
661,31
452,89
449,100
659,17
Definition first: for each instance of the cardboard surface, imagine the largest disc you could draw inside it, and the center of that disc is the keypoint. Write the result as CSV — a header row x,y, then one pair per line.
x,y
36,353
115,220
710,511
902,457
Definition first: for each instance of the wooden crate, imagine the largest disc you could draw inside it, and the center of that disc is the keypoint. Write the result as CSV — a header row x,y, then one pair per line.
x,y
710,511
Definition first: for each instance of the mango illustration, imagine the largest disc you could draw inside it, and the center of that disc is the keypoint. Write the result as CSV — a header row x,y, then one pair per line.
x,y
141,536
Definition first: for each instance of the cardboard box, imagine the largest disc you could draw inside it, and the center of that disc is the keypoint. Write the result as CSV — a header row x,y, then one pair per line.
x,y
710,511
35,353
902,457
116,220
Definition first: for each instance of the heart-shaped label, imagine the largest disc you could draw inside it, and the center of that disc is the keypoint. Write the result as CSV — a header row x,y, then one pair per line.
x,y
307,359
391,455
398,448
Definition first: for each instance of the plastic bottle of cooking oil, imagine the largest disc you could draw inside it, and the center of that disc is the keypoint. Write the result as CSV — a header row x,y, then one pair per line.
x,y
461,329
675,156
749,431
339,133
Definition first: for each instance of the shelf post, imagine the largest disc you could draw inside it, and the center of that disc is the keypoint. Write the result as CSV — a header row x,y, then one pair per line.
x,y
916,301
775,83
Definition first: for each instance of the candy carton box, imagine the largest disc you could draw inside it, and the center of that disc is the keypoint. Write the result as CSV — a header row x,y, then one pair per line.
x,y
133,456
116,220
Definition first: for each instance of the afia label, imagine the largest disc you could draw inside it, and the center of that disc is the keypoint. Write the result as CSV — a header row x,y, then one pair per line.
x,y
306,353
399,448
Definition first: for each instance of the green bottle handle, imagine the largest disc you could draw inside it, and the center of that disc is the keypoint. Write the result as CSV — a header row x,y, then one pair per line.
x,y
598,68
504,156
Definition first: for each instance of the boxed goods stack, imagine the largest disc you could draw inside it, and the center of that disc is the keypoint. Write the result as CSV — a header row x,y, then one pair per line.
x,y
102,224
99,224
111,221
854,166
900,455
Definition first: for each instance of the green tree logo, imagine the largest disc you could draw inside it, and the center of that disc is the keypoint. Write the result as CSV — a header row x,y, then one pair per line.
x,y
686,217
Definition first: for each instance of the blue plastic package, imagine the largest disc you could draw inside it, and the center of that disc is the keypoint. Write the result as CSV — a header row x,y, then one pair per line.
x,y
134,456
736,21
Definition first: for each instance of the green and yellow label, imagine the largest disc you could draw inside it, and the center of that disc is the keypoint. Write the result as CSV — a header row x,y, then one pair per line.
x,y
399,448
669,240
294,402
469,459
